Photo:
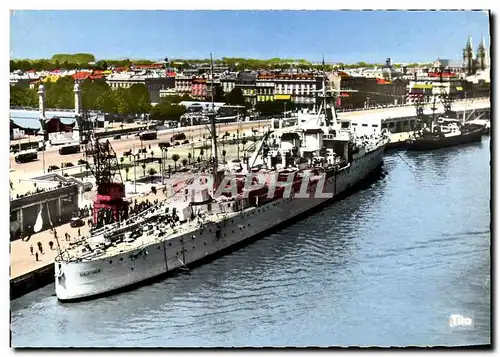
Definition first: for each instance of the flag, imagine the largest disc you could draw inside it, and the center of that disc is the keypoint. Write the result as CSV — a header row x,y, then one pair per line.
x,y
39,220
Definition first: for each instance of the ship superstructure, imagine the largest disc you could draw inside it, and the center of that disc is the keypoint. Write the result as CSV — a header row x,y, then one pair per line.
x,y
291,172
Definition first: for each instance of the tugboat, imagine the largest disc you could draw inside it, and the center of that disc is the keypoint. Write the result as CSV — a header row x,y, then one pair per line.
x,y
445,132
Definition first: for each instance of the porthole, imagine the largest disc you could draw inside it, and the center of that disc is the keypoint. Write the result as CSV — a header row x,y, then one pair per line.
x,y
205,243
170,244
132,268
110,262
121,258
193,247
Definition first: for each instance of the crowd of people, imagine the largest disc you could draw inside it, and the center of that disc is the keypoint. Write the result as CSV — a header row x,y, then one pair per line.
x,y
84,212
136,207
39,190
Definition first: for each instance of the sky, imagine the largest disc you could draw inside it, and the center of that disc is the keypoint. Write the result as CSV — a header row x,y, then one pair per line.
x,y
339,36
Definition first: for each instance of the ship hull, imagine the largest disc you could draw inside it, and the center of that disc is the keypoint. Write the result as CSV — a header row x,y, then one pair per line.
x,y
90,279
423,144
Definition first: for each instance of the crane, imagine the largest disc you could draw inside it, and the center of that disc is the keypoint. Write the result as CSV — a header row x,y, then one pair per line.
x,y
103,164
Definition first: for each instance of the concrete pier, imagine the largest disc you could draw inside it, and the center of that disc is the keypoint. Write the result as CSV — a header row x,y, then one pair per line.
x,y
27,274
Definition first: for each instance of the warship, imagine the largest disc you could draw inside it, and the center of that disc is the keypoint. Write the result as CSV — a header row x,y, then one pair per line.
x,y
291,172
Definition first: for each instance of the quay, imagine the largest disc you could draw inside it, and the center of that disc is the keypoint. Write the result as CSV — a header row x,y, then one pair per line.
x,y
27,274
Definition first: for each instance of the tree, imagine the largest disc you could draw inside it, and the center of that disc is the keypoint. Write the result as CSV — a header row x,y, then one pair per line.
x,y
23,97
151,173
105,102
175,157
166,110
75,58
235,97
219,94
139,96
102,65
122,99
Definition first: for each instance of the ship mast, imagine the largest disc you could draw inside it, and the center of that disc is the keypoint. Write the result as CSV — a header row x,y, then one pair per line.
x,y
211,114
433,124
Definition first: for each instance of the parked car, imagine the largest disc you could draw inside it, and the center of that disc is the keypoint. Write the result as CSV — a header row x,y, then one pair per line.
x,y
185,142
76,222
179,136
164,145
67,164
116,137
176,143
82,162
53,167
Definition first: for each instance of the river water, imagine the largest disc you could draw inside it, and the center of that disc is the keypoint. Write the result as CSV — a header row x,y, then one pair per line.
x,y
386,266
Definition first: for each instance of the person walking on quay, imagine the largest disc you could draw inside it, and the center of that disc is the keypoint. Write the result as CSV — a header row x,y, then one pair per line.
x,y
31,249
39,244
78,231
51,245
36,256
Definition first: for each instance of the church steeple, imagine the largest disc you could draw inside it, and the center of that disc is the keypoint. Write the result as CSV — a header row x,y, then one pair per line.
x,y
469,43
468,57
481,57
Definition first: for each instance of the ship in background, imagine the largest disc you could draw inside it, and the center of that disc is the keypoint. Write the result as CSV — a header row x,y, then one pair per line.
x,y
292,171
450,129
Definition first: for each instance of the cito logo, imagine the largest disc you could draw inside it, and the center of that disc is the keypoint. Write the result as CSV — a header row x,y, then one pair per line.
x,y
459,320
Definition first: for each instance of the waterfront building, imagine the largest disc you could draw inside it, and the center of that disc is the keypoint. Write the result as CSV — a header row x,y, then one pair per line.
x,y
199,88
228,82
183,84
368,92
51,195
154,82
246,81
301,87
